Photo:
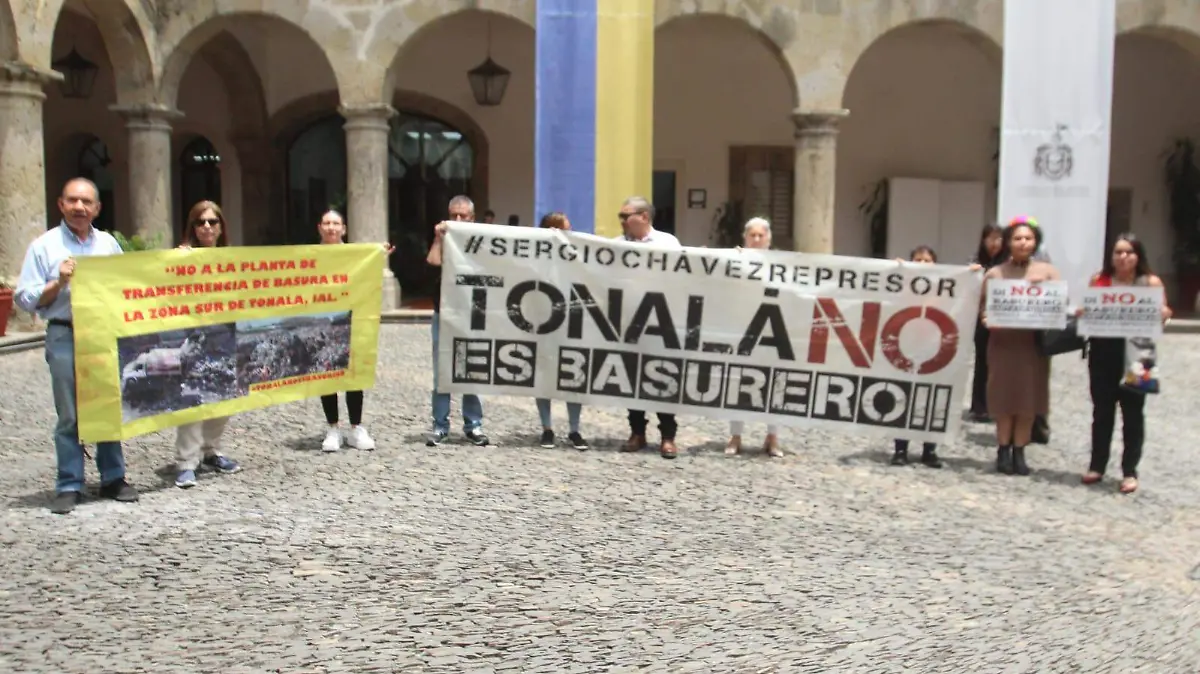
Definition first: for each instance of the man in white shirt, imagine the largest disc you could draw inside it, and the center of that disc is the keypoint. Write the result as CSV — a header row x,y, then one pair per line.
x,y
45,288
637,223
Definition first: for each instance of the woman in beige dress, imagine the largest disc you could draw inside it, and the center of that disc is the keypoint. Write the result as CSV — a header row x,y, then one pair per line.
x,y
1018,375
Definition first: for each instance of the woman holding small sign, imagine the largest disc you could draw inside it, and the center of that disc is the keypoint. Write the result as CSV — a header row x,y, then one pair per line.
x,y
1018,387
1107,366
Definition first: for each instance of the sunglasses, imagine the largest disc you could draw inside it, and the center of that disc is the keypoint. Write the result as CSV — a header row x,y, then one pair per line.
x,y
212,222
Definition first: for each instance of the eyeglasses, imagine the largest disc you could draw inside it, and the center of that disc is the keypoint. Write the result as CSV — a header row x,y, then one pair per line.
x,y
625,216
211,222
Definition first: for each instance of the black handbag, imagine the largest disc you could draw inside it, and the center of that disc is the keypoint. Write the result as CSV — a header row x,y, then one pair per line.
x,y
1056,342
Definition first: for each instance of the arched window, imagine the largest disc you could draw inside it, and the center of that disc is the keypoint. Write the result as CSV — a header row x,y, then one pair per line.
x,y
428,163
199,175
93,165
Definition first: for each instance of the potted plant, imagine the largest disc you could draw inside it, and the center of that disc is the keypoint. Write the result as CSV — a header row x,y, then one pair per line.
x,y
137,242
727,225
1183,191
874,210
7,287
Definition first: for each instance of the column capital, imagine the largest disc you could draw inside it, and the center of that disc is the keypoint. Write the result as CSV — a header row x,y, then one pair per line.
x,y
22,79
370,116
147,116
818,122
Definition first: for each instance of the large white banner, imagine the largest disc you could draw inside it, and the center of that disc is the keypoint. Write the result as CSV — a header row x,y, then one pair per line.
x,y
806,340
1055,126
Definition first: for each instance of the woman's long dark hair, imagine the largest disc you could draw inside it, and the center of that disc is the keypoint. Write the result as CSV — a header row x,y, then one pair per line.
x,y
1006,240
189,234
1139,249
982,256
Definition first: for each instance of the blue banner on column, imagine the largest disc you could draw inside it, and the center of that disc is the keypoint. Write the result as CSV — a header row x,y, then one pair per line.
x,y
565,103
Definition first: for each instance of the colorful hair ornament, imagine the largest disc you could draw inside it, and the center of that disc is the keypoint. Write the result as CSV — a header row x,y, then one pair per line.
x,y
1023,220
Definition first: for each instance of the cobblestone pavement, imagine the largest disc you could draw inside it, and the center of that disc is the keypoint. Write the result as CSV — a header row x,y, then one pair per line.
x,y
515,558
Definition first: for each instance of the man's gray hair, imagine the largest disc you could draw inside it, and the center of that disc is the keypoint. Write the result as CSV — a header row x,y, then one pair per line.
x,y
642,204
463,200
89,183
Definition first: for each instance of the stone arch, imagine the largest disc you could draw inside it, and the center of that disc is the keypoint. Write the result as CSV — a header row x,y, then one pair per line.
x,y
128,34
977,37
1174,17
924,102
186,34
8,33
775,32
396,29
1156,103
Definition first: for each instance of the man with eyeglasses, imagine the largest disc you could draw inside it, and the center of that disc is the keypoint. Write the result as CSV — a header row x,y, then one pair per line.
x,y
44,288
637,223
462,209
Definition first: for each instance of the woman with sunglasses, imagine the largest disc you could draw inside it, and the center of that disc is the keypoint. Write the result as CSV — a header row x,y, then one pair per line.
x,y
205,229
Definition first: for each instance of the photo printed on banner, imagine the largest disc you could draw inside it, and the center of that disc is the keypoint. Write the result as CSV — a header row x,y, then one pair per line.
x,y
271,349
175,370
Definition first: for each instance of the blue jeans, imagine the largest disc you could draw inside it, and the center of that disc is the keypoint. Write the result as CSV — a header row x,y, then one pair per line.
x,y
573,411
60,356
472,408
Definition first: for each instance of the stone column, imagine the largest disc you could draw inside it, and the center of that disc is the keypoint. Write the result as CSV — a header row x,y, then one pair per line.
x,y
815,176
367,183
22,172
254,160
150,160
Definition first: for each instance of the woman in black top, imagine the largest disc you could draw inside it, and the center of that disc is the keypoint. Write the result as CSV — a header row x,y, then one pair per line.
x,y
988,254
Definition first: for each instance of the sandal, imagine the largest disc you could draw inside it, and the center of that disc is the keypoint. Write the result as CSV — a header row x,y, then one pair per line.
x,y
1129,485
1091,477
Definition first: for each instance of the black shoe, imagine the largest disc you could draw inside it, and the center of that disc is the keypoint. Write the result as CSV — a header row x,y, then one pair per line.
x,y
119,490
436,439
547,439
577,441
1004,460
1019,465
900,457
477,438
930,458
64,502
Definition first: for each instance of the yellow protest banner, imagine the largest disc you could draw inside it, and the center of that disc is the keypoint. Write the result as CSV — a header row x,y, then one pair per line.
x,y
164,338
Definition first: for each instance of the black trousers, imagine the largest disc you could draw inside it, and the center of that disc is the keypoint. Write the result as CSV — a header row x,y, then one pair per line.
x,y
1106,368
979,386
354,405
666,424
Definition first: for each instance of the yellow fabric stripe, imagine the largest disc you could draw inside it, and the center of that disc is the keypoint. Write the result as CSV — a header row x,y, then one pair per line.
x,y
624,107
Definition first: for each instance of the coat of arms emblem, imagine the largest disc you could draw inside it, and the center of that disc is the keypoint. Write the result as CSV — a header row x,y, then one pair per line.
x,y
1054,160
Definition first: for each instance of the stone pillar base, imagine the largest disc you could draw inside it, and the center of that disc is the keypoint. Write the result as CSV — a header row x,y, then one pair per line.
x,y
391,291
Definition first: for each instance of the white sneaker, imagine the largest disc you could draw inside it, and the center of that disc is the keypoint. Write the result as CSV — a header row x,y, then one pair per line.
x,y
333,440
360,439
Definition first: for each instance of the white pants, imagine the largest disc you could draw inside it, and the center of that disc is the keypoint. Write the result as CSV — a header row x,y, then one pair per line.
x,y
736,428
202,437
